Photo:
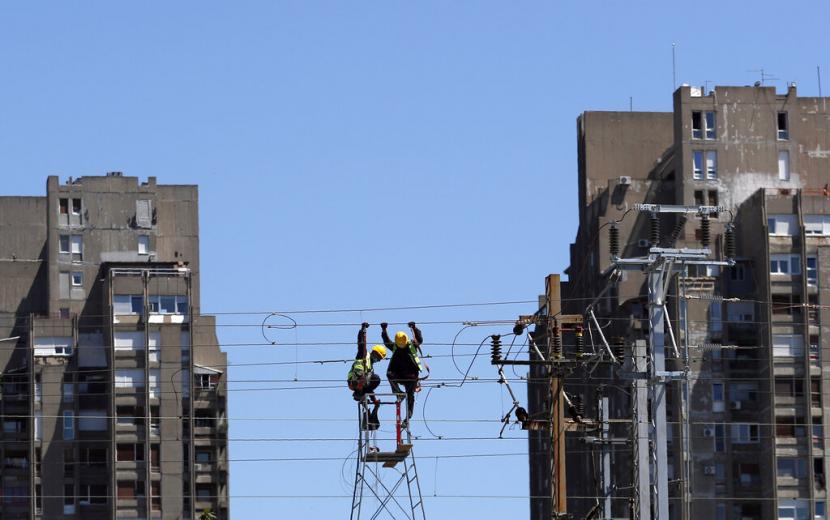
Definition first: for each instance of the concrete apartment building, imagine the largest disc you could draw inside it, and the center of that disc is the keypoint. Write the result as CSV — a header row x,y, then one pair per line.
x,y
759,332
113,394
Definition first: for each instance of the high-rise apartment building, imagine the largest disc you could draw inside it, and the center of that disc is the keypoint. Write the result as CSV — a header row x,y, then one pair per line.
x,y
751,444
113,394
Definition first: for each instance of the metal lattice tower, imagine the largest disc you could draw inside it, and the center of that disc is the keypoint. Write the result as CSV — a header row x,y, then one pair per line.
x,y
370,467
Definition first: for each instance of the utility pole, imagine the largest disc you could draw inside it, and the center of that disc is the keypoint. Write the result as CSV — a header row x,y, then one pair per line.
x,y
553,305
651,380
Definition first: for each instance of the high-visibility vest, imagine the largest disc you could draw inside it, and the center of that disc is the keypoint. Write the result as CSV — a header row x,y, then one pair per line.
x,y
361,367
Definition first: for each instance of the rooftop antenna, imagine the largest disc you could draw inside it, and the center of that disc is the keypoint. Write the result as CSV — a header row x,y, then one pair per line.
x,y
631,103
706,86
818,73
674,66
764,77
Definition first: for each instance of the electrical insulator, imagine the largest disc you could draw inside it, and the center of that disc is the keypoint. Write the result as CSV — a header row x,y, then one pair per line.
x,y
614,240
495,349
654,230
729,239
557,342
580,343
619,349
579,406
678,228
705,231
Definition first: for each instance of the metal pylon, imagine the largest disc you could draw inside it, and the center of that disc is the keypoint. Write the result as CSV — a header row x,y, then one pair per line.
x,y
370,469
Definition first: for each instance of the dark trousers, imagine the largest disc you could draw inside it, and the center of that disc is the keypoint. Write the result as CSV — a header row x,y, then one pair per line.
x,y
363,386
405,383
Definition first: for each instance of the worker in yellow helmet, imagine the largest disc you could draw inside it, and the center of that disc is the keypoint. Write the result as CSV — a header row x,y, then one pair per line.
x,y
405,366
362,379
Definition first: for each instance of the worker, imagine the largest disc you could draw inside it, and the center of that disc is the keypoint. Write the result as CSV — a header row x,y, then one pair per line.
x,y
405,365
362,379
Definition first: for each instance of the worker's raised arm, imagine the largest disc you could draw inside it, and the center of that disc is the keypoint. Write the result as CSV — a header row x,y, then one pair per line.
x,y
361,341
417,338
385,335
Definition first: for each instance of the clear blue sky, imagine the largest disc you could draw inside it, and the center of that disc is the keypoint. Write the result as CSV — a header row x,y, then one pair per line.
x,y
373,154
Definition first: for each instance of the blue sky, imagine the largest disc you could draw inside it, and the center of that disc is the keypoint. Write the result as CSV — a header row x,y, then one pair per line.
x,y
355,155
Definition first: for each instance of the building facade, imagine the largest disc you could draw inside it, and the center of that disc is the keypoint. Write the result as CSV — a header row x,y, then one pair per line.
x,y
113,384
751,442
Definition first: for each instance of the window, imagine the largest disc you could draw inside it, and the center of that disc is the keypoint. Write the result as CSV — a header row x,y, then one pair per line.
x,y
129,378
127,304
703,123
77,279
154,341
53,346
699,198
790,427
76,206
787,388
745,392
784,165
711,164
744,433
69,499
812,270
817,224
129,452
785,225
740,312
715,317
38,425
76,244
713,200
697,165
130,489
791,467
717,397
155,383
168,304
697,125
738,272
92,421
92,494
128,340
203,456
63,244
786,305
784,264
207,381
783,127
68,392
94,457
143,244
155,494
68,426
787,345
63,206
818,434
709,121
720,437
204,419
204,492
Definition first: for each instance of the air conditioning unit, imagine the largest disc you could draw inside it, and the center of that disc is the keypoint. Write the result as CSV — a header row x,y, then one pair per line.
x,y
736,405
708,470
625,180
708,432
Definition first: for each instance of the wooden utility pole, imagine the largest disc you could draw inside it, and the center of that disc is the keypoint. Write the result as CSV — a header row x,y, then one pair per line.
x,y
553,305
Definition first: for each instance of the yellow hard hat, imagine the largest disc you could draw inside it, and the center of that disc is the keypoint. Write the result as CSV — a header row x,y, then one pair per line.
x,y
401,339
381,351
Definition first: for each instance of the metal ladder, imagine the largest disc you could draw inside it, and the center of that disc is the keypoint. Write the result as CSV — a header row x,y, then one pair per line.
x,y
367,472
